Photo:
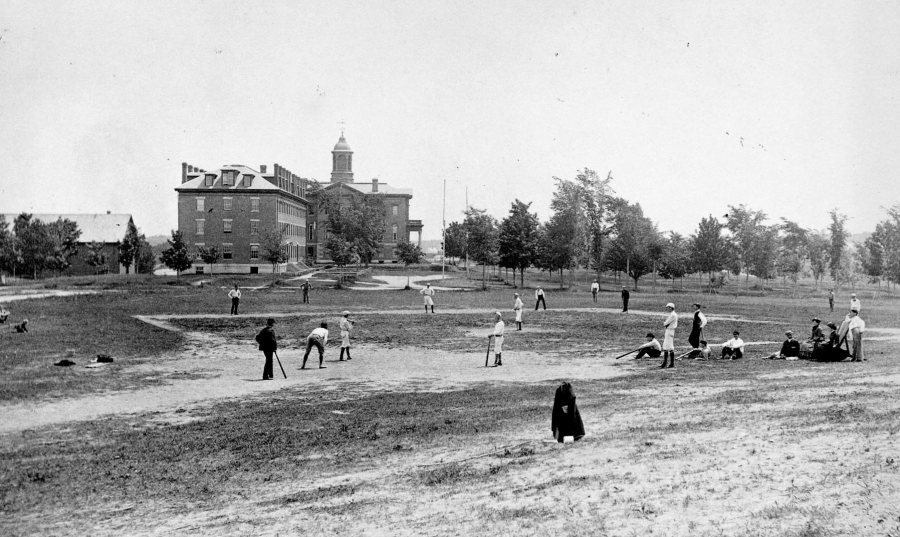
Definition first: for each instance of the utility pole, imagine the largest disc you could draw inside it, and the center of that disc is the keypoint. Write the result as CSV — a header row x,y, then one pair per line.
x,y
444,231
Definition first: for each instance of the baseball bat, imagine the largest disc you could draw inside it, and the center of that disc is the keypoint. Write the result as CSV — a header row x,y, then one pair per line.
x,y
488,355
279,365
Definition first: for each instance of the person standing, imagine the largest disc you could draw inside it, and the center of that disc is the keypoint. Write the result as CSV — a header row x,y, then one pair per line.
x,y
668,347
305,287
235,295
595,288
428,293
855,333
497,334
697,325
855,304
268,344
346,325
318,338
734,347
518,306
625,297
539,299
831,300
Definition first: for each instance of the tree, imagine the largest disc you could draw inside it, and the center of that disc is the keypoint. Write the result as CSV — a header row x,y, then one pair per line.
x,y
596,195
33,242
455,243
710,250
7,247
761,258
676,258
483,239
838,239
176,256
409,254
209,255
635,244
96,256
518,239
274,249
355,220
744,224
145,261
794,249
129,247
818,248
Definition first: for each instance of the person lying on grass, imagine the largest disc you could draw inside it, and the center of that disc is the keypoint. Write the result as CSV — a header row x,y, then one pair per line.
x,y
790,349
734,347
22,327
651,348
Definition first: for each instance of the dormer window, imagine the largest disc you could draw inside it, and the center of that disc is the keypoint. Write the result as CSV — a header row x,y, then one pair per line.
x,y
209,179
228,177
248,179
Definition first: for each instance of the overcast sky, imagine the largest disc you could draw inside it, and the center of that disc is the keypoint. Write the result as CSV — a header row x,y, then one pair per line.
x,y
789,107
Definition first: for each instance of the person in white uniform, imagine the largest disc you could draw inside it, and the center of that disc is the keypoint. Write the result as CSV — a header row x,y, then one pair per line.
x,y
855,304
428,293
668,346
498,339
346,325
518,306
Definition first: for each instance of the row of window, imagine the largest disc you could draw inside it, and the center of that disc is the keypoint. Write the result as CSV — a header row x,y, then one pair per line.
x,y
227,250
290,209
227,226
229,178
291,229
228,204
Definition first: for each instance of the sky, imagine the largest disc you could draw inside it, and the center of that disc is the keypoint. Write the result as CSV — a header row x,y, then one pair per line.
x,y
788,107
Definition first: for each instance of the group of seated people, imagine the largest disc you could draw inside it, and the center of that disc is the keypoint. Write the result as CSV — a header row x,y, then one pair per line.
x,y
19,328
817,347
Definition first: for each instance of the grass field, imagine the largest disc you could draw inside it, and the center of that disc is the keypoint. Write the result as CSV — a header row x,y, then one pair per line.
x,y
745,448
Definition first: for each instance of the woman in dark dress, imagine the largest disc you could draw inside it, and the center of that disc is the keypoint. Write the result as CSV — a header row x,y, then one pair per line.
x,y
566,419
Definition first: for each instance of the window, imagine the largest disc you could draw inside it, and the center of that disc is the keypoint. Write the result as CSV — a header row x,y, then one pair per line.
x,y
200,226
394,210
248,179
201,204
254,205
198,270
227,225
254,252
228,177
311,233
228,203
394,231
209,179
254,227
226,250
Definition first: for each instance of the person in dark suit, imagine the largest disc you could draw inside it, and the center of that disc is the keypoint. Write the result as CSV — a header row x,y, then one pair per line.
x,y
268,344
22,327
697,325
566,420
625,296
305,287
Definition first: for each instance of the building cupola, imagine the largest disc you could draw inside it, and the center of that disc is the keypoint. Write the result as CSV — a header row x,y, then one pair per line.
x,y
342,162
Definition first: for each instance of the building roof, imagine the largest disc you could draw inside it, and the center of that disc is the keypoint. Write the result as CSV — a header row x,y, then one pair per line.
x,y
342,145
366,188
103,227
257,183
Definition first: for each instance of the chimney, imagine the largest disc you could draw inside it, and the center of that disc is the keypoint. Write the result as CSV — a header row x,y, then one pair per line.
x,y
108,212
184,170
374,184
262,168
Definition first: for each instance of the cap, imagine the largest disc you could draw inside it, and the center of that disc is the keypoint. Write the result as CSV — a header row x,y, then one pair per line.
x,y
816,320
735,333
854,310
516,294
650,334
696,304
345,313
670,305
853,295
789,333
831,325
498,314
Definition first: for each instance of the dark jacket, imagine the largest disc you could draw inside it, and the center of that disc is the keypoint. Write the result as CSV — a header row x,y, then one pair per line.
x,y
566,420
266,339
790,347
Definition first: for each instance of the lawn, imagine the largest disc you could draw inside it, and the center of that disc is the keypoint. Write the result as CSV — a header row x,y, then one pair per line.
x,y
746,448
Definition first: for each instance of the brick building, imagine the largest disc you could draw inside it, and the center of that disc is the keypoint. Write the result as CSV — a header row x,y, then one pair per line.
x,y
234,207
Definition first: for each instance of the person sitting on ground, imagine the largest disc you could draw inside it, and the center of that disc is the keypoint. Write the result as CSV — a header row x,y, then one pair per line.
x,y
705,351
790,349
830,349
651,348
22,327
734,347
318,338
4,314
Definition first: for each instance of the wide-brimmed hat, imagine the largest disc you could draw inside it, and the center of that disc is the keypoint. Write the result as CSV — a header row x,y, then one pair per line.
x,y
345,313
831,325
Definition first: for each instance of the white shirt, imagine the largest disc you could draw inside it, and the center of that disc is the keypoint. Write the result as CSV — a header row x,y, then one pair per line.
x,y
539,292
518,305
856,322
234,293
595,286
702,319
652,344
427,291
855,304
345,325
498,328
320,333
671,321
734,343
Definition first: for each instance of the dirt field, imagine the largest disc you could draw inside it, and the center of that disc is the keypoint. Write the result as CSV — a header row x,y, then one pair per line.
x,y
415,436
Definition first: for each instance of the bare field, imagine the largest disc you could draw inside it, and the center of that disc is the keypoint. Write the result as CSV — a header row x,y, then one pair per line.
x,y
416,437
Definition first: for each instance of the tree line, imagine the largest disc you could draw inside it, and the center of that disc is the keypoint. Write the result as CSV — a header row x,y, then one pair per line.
x,y
592,228
32,247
